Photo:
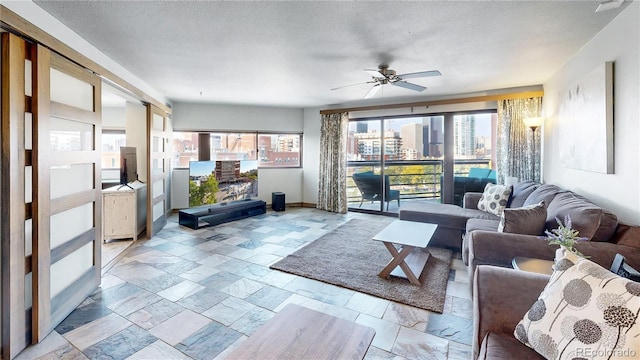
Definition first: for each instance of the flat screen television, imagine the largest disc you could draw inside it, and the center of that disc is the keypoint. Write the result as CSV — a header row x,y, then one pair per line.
x,y
212,182
128,165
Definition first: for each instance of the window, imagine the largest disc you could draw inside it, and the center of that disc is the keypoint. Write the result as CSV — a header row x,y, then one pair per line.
x,y
112,140
279,150
272,150
185,149
233,146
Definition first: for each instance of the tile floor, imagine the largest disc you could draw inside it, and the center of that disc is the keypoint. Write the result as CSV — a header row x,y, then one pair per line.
x,y
198,294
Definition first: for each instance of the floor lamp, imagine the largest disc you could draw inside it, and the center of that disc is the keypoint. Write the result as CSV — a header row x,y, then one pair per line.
x,y
533,123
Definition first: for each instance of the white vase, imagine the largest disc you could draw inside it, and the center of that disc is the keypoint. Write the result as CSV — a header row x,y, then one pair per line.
x,y
563,253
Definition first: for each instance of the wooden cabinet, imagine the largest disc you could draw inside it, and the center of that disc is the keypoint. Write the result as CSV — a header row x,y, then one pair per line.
x,y
124,211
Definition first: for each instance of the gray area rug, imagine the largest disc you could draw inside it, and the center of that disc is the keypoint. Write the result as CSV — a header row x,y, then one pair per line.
x,y
347,257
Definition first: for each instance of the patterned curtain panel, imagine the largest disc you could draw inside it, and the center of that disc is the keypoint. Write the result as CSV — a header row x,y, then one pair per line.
x,y
516,142
332,185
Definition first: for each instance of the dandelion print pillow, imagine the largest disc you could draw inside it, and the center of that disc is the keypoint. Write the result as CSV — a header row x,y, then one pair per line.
x,y
584,312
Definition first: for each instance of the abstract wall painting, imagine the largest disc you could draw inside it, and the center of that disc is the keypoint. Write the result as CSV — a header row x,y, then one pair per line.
x,y
586,122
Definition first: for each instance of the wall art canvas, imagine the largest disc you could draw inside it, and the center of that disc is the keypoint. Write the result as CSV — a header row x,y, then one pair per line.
x,y
586,122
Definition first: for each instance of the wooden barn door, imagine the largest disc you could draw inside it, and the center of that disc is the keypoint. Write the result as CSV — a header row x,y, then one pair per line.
x,y
51,175
158,169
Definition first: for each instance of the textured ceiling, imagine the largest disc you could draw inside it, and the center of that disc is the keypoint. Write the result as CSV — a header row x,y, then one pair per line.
x,y
292,53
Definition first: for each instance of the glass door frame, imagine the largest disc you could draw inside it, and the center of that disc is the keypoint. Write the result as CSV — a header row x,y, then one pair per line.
x,y
448,159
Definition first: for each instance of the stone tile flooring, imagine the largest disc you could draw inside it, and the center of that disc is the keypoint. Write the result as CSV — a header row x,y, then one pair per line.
x,y
198,294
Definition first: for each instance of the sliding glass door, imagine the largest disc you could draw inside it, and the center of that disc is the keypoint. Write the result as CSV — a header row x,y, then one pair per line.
x,y
398,160
393,161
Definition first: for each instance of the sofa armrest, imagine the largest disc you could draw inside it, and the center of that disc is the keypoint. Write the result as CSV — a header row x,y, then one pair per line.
x,y
602,253
471,199
498,248
495,248
501,297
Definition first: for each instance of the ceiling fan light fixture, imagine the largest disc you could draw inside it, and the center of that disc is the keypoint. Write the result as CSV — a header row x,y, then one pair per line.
x,y
385,76
609,5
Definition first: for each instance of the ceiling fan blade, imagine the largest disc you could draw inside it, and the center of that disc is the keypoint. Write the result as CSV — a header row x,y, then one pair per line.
x,y
362,83
410,86
373,91
375,73
420,74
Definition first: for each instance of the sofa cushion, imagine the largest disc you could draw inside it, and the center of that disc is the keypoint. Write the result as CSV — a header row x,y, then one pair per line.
x,y
494,198
476,224
504,346
585,311
544,192
585,216
626,235
607,228
442,214
521,192
482,224
528,220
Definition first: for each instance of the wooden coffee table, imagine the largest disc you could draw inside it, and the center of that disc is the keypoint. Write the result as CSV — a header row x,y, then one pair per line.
x,y
409,235
297,332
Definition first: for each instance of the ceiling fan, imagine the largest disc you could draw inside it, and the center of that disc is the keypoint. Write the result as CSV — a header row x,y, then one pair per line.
x,y
385,76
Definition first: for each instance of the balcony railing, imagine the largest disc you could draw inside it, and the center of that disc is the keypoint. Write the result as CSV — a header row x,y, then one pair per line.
x,y
415,179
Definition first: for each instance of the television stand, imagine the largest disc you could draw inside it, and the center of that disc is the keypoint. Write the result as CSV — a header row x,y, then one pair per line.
x,y
210,215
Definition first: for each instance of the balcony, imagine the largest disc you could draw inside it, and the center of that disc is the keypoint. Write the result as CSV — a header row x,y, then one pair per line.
x,y
417,180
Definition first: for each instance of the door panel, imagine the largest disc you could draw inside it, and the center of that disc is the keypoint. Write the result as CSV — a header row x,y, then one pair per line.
x,y
51,183
66,251
157,173
16,207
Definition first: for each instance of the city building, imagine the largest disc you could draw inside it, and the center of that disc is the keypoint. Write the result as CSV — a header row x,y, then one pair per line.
x,y
412,139
227,171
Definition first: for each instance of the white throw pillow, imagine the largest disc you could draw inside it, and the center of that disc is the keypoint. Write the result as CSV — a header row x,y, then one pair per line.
x,y
494,198
585,311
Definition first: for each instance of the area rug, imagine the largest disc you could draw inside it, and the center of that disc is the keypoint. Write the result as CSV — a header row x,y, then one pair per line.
x,y
347,257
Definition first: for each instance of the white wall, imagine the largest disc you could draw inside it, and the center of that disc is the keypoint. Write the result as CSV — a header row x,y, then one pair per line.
x,y
52,26
113,118
211,117
216,117
619,192
136,132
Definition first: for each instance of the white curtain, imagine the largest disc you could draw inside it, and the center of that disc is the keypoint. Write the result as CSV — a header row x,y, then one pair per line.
x,y
332,184
518,152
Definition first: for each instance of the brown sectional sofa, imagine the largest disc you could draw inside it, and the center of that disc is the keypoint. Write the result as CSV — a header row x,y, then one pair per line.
x,y
501,296
474,232
497,314
606,237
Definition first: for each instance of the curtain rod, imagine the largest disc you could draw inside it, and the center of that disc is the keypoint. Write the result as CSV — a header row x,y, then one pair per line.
x,y
518,95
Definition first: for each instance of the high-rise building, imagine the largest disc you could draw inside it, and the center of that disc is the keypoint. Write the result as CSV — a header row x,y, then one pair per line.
x,y
425,140
370,146
264,147
362,127
436,139
464,131
288,143
409,154
227,171
412,138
